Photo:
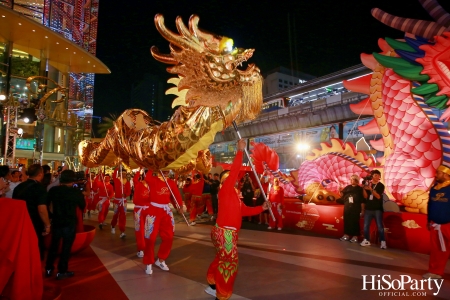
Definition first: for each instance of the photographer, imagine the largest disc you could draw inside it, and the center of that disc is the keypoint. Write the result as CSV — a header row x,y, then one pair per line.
x,y
373,195
63,201
248,190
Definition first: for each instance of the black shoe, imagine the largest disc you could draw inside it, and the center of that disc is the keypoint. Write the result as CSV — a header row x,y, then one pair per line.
x,y
48,272
100,226
67,274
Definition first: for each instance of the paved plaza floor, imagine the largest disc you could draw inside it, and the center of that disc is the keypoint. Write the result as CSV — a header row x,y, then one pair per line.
x,y
284,264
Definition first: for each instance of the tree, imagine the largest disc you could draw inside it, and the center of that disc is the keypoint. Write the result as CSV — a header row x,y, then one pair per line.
x,y
106,124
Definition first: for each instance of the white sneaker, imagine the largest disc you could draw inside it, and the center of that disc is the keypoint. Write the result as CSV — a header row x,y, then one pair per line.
x,y
122,235
354,239
192,223
365,243
345,238
162,265
148,270
140,254
269,228
113,230
383,245
209,290
279,228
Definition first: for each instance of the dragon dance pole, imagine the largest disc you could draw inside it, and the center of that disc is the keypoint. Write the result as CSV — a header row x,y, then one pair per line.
x,y
174,198
254,172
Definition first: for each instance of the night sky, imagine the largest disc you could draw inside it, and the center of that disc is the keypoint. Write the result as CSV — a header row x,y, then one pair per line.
x,y
326,36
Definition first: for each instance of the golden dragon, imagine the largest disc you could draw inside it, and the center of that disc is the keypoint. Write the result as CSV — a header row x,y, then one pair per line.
x,y
211,93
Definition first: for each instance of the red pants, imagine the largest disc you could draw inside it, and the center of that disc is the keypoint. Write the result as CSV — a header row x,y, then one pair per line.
x,y
157,221
139,225
93,204
187,201
438,258
120,210
278,214
103,210
223,270
206,198
197,207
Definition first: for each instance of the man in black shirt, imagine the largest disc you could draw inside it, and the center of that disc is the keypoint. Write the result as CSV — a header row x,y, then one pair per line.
x,y
373,194
63,201
35,196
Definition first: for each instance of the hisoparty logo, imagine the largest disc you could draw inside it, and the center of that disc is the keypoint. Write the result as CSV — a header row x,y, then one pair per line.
x,y
404,286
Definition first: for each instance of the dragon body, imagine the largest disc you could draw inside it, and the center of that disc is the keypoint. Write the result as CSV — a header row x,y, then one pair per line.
x,y
410,77
211,93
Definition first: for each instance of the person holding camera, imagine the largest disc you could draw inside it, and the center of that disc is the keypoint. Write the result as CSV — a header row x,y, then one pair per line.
x,y
353,200
63,200
373,194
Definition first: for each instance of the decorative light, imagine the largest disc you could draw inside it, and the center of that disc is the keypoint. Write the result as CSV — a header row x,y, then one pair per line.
x,y
20,131
26,120
2,97
302,147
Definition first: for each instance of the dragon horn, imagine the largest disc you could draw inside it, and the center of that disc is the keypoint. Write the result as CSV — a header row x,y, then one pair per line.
x,y
161,57
436,12
174,38
422,28
211,41
183,30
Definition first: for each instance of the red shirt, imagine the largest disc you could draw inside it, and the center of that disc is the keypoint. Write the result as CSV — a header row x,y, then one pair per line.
x,y
159,192
196,188
276,196
105,189
231,209
119,186
141,192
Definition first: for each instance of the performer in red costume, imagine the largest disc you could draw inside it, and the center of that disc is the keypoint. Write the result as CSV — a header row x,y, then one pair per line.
x,y
158,219
276,198
223,270
91,189
105,193
187,194
141,202
122,189
197,203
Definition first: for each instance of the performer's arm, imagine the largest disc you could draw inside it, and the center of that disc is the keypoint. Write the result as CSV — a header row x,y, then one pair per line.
x,y
250,211
234,172
281,192
176,192
136,177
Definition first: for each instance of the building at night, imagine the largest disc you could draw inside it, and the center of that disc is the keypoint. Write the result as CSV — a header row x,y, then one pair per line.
x,y
47,61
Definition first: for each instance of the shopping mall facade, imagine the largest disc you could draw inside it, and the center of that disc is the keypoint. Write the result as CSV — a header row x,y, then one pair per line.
x,y
47,66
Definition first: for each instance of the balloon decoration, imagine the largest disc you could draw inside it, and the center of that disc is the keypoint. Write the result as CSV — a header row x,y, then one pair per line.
x,y
410,77
211,93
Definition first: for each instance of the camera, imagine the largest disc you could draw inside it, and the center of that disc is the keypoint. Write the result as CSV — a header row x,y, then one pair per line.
x,y
367,179
80,182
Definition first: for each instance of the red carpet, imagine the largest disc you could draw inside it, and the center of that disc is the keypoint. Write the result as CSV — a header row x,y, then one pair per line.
x,y
91,280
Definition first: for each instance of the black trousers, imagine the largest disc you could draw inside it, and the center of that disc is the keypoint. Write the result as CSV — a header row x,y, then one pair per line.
x,y
67,235
215,203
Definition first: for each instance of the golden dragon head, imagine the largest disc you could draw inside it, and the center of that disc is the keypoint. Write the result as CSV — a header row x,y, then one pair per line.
x,y
207,66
